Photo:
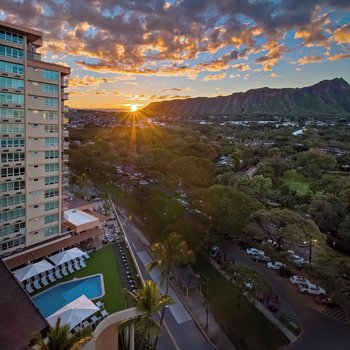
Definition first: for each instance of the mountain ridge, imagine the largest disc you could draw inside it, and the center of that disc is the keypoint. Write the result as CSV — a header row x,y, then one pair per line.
x,y
325,98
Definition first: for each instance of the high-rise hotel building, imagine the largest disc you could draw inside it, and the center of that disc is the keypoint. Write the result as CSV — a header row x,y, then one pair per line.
x,y
32,182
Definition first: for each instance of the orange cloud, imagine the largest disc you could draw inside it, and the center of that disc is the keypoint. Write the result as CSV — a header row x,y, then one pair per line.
x,y
342,34
338,57
211,77
309,59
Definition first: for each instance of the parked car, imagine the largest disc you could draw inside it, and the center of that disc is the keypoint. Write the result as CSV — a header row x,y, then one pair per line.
x,y
214,251
261,258
310,288
298,259
275,265
298,279
325,301
285,272
272,301
254,251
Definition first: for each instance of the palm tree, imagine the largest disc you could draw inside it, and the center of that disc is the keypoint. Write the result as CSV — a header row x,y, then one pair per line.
x,y
149,301
174,251
59,338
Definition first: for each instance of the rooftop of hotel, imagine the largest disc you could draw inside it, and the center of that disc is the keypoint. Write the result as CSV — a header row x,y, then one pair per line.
x,y
79,217
19,318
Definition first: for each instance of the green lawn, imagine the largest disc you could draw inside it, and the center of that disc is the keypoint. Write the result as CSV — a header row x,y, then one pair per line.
x,y
296,181
102,261
246,327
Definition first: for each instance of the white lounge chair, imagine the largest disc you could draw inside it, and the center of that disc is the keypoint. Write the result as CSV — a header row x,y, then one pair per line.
x,y
99,304
58,274
51,277
37,284
76,265
64,271
82,263
86,255
29,288
70,268
44,281
104,313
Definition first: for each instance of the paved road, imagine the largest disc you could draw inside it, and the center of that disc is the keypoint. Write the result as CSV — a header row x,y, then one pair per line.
x,y
181,333
321,329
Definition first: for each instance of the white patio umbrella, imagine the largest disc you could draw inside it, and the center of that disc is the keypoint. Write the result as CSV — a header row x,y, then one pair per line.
x,y
67,255
32,270
75,312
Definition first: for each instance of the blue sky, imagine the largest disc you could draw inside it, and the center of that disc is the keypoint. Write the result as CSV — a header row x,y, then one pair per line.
x,y
143,51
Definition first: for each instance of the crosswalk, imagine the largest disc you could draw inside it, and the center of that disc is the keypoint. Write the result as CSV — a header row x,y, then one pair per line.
x,y
286,311
336,313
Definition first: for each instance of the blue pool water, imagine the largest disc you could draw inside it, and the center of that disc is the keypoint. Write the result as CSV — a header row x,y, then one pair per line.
x,y
55,298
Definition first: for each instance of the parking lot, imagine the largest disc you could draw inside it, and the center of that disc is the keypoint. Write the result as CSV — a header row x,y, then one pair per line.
x,y
322,327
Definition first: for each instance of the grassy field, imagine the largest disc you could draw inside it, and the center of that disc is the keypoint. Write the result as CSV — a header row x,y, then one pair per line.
x,y
102,261
296,181
246,327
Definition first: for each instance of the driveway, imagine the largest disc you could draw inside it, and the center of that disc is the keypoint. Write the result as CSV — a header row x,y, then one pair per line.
x,y
320,330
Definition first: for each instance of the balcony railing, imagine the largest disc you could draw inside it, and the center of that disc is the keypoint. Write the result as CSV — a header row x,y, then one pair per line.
x,y
65,145
65,133
65,121
65,158
65,96
33,56
64,83
65,108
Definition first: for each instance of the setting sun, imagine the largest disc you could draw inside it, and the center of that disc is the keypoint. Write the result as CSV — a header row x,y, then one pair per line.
x,y
133,108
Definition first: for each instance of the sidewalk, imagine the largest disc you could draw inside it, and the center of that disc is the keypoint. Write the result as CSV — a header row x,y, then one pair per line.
x,y
197,305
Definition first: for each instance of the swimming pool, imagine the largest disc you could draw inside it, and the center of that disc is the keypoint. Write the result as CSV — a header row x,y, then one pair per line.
x,y
56,297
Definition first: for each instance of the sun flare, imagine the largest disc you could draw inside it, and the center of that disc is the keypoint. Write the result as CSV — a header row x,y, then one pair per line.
x,y
133,108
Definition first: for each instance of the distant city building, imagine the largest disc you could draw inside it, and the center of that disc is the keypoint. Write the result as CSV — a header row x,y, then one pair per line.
x,y
32,184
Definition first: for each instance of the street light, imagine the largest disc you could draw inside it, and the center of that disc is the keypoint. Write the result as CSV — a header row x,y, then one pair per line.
x,y
310,248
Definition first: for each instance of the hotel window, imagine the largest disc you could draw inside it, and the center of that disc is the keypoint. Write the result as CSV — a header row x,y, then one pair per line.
x,y
12,128
51,193
51,167
50,102
7,230
36,194
51,128
11,52
12,37
50,115
12,157
51,154
50,74
12,214
7,201
11,67
50,218
8,143
12,186
51,180
50,88
11,113
8,172
11,83
11,98
51,141
51,205
48,231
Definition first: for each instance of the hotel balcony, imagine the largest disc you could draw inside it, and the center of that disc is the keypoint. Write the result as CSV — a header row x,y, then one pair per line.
x,y
65,158
65,145
65,170
64,83
65,133
65,96
65,109
33,56
65,121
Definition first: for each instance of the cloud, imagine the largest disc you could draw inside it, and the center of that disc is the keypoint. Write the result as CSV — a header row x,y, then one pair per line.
x,y
275,75
170,38
309,59
342,34
338,57
241,66
211,77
